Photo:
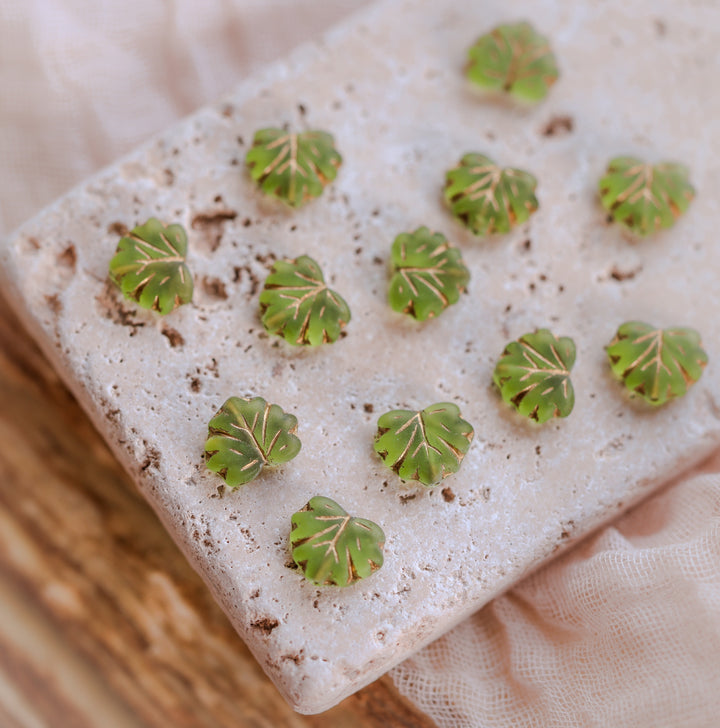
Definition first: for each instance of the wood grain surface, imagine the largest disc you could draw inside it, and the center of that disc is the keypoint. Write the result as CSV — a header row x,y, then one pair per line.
x,y
102,621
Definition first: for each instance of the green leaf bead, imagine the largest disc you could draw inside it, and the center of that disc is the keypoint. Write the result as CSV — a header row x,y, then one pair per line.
x,y
533,375
425,446
296,304
428,274
293,167
332,547
513,59
247,434
656,364
643,197
487,198
149,266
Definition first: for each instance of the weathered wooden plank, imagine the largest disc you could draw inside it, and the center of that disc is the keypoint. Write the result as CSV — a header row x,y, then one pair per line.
x,y
82,548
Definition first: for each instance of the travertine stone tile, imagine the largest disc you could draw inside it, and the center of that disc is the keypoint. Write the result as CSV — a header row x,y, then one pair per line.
x,y
389,86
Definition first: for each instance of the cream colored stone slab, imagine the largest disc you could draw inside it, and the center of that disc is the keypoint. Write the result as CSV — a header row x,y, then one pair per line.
x,y
389,86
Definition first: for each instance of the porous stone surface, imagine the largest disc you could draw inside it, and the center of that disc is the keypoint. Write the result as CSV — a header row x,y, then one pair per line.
x,y
389,86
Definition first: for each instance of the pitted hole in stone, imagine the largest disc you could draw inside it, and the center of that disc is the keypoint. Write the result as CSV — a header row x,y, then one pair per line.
x,y
112,305
68,258
559,125
214,288
54,303
211,226
265,625
31,245
174,337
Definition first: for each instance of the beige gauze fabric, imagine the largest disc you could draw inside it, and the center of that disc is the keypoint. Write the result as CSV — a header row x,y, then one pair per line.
x,y
624,630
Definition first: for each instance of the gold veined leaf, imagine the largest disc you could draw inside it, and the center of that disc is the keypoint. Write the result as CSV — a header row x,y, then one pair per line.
x,y
294,167
514,59
645,197
332,547
656,364
245,435
426,446
487,198
149,266
296,304
533,375
428,274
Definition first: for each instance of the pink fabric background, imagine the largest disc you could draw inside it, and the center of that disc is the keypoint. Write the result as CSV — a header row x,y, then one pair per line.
x,y
83,82
624,630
